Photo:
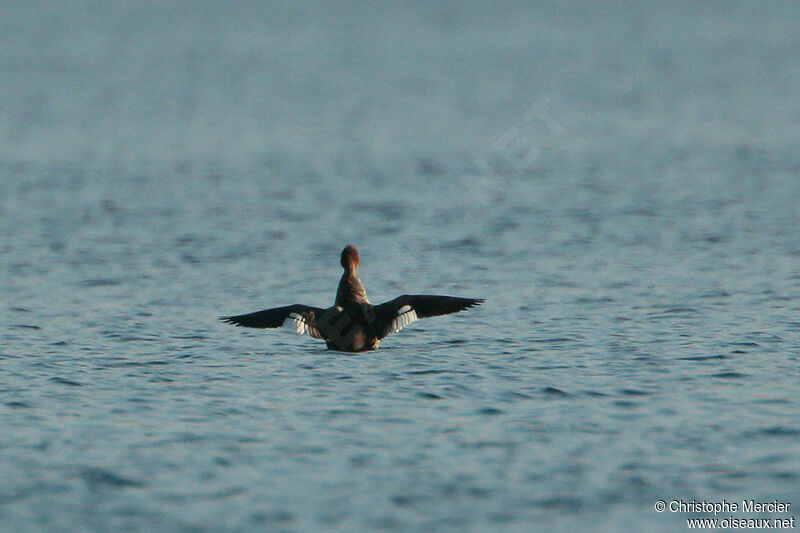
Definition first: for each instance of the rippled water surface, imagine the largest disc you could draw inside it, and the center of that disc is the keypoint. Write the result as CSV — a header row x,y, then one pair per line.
x,y
620,183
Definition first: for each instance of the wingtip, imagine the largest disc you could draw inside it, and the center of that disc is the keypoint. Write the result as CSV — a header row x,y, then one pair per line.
x,y
469,303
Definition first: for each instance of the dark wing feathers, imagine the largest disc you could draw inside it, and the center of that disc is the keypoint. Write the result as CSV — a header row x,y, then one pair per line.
x,y
386,318
398,313
275,318
426,305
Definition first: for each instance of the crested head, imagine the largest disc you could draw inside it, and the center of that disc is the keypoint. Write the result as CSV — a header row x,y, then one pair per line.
x,y
349,259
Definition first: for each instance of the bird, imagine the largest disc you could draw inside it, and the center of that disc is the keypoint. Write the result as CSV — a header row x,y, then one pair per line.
x,y
353,324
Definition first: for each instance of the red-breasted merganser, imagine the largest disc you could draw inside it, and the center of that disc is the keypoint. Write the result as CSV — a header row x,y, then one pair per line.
x,y
353,324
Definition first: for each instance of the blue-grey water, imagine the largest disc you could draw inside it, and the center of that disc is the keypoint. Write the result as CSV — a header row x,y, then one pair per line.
x,y
620,181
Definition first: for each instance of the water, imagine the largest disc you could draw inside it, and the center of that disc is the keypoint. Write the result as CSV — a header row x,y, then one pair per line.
x,y
620,182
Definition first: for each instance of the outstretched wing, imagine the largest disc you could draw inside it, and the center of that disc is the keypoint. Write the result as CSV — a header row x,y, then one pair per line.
x,y
302,319
396,314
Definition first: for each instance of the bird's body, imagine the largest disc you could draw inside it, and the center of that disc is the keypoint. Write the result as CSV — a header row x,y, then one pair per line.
x,y
353,324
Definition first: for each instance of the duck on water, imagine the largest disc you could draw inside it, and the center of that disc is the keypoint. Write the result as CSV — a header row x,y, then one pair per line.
x,y
353,324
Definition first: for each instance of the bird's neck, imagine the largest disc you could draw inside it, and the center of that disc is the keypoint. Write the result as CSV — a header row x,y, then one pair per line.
x,y
350,289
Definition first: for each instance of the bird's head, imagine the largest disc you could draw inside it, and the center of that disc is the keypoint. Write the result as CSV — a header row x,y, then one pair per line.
x,y
349,259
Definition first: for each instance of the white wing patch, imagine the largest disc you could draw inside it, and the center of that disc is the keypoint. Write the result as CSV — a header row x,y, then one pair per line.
x,y
298,324
405,316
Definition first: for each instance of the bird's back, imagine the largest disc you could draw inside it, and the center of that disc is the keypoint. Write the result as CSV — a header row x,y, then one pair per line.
x,y
349,328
